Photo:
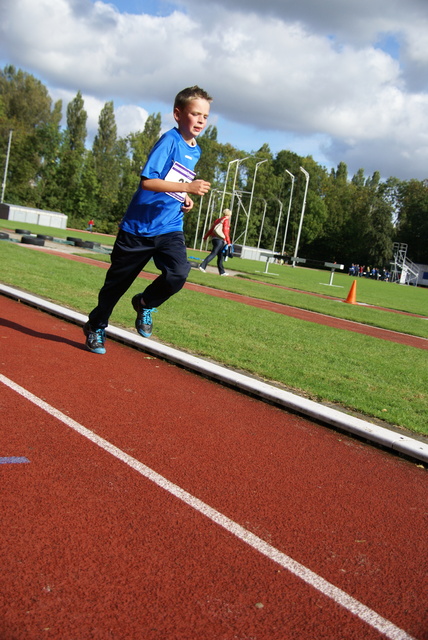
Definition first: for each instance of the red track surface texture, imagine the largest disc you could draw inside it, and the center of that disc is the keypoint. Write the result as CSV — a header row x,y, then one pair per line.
x,y
96,545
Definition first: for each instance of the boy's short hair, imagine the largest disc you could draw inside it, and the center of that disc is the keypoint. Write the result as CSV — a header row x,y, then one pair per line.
x,y
187,95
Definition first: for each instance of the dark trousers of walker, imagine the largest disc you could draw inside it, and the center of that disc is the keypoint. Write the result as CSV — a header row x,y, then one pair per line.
x,y
129,256
217,250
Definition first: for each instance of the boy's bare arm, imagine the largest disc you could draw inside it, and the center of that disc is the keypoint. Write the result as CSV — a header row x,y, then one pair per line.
x,y
196,187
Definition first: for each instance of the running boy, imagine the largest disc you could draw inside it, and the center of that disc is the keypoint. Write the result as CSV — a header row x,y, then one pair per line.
x,y
153,224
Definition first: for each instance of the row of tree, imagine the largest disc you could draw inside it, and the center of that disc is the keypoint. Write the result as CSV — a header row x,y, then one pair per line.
x,y
346,219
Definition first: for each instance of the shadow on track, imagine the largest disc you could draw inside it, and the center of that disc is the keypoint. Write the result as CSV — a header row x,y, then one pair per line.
x,y
37,334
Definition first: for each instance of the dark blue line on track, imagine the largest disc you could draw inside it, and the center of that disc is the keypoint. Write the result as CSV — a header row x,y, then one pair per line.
x,y
13,460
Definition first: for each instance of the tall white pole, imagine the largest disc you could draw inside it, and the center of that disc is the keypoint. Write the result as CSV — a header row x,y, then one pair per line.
x,y
232,201
225,182
301,215
197,223
251,200
277,225
3,187
235,179
289,209
213,192
263,221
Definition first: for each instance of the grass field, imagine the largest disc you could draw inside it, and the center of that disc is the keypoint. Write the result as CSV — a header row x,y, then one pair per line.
x,y
372,377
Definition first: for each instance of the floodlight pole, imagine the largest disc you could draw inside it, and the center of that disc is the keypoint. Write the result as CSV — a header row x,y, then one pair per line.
x,y
251,200
232,201
263,221
197,223
225,182
6,167
210,206
289,209
301,216
279,220
235,179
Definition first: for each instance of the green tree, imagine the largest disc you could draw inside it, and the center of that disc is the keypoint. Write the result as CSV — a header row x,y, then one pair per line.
x,y
50,137
86,196
105,154
359,179
341,173
141,142
129,178
208,164
377,234
132,155
316,212
331,245
367,235
72,159
26,109
412,228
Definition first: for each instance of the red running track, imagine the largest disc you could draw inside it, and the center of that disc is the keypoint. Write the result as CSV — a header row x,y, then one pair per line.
x,y
95,545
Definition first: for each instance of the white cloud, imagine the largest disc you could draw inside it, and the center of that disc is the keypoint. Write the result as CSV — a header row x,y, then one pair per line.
x,y
356,22
310,70
129,118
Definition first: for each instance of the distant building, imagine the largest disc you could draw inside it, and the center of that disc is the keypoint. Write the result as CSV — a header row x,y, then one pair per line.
x,y
30,215
422,275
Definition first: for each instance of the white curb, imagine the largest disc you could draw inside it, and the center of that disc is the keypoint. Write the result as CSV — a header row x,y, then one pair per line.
x,y
371,432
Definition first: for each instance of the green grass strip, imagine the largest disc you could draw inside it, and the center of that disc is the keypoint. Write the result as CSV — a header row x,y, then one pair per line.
x,y
372,377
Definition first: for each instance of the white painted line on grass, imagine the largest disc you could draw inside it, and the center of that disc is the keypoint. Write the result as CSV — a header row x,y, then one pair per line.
x,y
361,611
367,430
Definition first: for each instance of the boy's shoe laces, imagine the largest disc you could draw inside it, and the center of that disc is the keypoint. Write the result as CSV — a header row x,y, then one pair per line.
x,y
146,315
143,322
95,338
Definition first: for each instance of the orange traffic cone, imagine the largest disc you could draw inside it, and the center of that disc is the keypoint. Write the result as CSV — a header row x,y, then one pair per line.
x,y
352,295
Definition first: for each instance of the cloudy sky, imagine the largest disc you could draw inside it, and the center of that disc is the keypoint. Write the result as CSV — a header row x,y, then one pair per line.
x,y
341,80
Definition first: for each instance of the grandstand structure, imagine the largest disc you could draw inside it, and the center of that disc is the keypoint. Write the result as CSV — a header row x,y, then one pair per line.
x,y
403,270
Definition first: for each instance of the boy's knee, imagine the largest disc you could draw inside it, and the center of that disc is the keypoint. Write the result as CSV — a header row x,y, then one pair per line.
x,y
177,278
181,271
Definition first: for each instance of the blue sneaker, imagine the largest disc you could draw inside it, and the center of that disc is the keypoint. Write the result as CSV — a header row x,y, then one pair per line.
x,y
143,321
95,338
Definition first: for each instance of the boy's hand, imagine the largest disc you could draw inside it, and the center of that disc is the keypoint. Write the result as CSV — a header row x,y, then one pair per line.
x,y
188,204
198,187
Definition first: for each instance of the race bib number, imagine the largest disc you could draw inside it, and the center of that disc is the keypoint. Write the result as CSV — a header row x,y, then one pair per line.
x,y
179,173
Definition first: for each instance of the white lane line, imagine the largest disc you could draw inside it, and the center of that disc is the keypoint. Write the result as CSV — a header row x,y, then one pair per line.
x,y
360,610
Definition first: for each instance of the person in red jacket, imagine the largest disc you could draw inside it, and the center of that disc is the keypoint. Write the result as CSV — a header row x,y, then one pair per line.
x,y
220,235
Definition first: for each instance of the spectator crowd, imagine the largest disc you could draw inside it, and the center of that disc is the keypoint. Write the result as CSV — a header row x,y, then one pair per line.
x,y
361,271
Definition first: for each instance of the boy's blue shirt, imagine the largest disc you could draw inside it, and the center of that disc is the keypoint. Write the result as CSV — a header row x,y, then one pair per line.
x,y
150,213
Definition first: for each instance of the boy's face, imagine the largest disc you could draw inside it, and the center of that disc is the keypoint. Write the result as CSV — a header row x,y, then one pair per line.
x,y
192,119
